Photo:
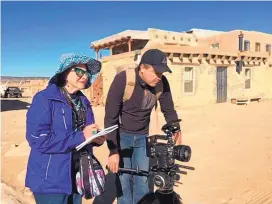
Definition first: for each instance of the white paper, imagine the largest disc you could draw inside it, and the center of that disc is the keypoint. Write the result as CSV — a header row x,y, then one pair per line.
x,y
99,134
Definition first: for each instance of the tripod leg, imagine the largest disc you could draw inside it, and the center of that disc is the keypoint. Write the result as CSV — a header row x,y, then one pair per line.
x,y
152,162
176,198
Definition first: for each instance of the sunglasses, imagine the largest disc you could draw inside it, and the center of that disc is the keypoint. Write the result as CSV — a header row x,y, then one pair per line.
x,y
80,72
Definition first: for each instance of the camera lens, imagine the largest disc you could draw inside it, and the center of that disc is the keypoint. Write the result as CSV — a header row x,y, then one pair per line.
x,y
182,153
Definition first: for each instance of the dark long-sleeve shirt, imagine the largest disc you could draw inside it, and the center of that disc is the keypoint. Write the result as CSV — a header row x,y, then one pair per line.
x,y
133,116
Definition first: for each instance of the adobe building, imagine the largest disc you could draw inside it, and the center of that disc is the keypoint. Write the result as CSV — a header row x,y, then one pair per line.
x,y
29,86
208,66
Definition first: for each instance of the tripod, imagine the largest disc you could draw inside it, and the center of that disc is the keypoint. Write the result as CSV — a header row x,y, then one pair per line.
x,y
160,198
161,195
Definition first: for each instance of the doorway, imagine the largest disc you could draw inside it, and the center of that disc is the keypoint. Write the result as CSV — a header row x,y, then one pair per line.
x,y
221,84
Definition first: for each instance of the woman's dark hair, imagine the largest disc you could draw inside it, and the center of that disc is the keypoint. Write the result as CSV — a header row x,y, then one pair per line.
x,y
61,78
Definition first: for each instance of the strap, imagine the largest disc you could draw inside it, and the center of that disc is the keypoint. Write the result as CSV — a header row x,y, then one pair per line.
x,y
66,96
96,167
159,89
78,116
130,84
85,174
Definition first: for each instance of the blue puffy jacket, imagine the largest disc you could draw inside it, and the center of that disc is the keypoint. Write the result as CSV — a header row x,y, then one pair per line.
x,y
51,138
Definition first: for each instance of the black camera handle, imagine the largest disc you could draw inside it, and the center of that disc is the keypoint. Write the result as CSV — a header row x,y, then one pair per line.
x,y
144,173
149,173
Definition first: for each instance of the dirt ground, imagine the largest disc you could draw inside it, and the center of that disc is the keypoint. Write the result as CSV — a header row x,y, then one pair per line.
x,y
231,151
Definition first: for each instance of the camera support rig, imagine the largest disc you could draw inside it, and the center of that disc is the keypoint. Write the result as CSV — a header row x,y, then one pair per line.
x,y
165,172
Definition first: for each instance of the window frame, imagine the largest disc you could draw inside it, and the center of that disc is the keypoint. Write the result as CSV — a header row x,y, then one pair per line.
x,y
257,45
186,80
248,78
245,42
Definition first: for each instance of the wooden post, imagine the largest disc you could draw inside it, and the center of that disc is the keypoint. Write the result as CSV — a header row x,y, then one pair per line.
x,y
96,53
111,49
129,45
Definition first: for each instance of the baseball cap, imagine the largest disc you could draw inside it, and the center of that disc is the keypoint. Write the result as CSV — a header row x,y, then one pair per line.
x,y
157,59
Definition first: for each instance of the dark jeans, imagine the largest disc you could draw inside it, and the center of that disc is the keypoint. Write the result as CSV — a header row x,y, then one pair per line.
x,y
133,154
57,198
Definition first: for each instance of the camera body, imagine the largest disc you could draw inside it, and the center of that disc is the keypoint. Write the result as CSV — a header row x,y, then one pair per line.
x,y
167,153
164,154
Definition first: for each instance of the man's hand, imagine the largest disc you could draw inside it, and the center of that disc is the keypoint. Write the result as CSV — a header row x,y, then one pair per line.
x,y
177,138
113,162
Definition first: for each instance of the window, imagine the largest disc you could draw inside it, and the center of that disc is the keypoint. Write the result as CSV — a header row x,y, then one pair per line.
x,y
257,47
188,77
247,78
268,48
215,45
246,45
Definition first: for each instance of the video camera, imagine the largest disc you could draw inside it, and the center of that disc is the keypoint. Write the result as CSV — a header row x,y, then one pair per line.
x,y
165,171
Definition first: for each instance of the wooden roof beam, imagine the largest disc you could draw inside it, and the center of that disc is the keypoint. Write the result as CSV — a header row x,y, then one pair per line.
x,y
115,42
250,62
245,58
237,58
200,56
232,60
256,63
226,59
180,57
226,62
171,55
211,61
190,58
218,61
184,58
195,61
215,57
254,59
223,57
209,56
259,59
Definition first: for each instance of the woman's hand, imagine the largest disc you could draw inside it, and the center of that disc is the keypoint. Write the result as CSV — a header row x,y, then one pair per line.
x,y
88,130
99,140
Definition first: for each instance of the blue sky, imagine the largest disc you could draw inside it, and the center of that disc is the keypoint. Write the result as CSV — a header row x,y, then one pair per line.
x,y
35,34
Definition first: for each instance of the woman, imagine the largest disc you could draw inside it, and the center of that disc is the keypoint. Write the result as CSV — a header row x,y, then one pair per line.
x,y
60,118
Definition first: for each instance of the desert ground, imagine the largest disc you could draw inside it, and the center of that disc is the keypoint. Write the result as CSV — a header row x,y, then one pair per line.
x,y
231,152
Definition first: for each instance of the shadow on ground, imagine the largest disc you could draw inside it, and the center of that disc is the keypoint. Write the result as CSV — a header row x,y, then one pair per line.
x,y
9,105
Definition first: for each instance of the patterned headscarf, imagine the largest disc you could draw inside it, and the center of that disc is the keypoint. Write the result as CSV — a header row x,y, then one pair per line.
x,y
69,60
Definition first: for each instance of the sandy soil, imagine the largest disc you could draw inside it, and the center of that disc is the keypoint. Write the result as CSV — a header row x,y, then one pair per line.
x,y
231,152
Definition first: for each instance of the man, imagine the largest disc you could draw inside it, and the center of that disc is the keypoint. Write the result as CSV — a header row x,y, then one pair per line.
x,y
133,116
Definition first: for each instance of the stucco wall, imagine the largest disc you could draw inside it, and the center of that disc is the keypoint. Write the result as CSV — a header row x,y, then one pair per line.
x,y
229,42
205,84
109,71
